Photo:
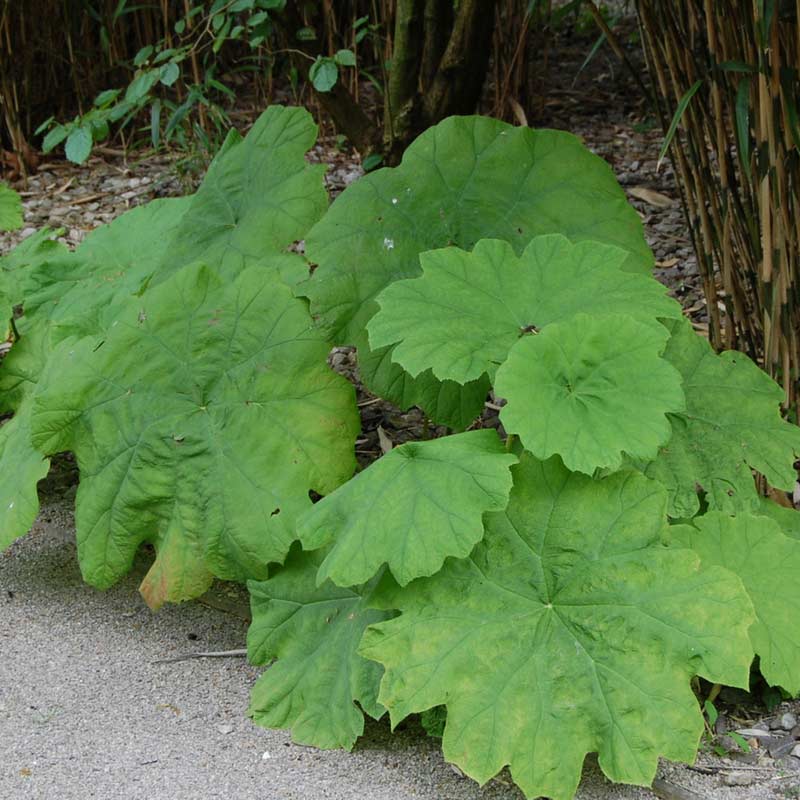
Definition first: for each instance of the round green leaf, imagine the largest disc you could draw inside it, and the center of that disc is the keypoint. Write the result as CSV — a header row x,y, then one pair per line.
x,y
755,549
169,73
467,310
79,144
569,630
203,418
590,389
465,179
314,633
417,505
732,423
324,73
346,58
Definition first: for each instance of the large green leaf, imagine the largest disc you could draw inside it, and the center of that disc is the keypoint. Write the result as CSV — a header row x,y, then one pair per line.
x,y
768,562
468,310
787,518
16,266
21,467
590,389
446,402
466,179
82,292
10,209
570,629
200,423
258,197
732,423
411,509
314,634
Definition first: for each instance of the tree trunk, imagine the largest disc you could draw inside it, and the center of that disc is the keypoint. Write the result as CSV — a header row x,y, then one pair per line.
x,y
458,84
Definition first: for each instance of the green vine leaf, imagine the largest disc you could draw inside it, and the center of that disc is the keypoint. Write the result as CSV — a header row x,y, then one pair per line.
x,y
203,418
465,179
314,633
732,423
468,310
590,390
569,630
755,549
417,505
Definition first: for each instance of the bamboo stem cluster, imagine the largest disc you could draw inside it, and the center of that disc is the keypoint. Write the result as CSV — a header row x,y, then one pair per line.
x,y
737,159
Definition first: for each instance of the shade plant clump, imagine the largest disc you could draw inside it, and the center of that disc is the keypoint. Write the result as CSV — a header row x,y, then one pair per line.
x,y
551,592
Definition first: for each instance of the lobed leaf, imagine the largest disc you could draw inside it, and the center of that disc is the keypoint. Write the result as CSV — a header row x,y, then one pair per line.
x,y
465,179
10,209
787,518
467,310
731,424
80,293
570,629
768,562
257,198
590,390
200,423
313,633
22,467
417,505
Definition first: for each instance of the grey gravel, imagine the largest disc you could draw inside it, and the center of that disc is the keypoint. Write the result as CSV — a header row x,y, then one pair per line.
x,y
85,713
788,721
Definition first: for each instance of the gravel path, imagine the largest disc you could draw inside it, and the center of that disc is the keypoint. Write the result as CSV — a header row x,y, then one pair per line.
x,y
85,713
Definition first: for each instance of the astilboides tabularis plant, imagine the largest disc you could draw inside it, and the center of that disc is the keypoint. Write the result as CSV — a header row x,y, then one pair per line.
x,y
556,592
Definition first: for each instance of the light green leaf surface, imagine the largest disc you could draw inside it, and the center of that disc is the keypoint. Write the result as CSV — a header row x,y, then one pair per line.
x,y
201,420
10,209
465,179
445,402
411,509
314,633
257,198
590,390
468,310
732,423
569,630
22,467
82,292
768,563
787,518
79,144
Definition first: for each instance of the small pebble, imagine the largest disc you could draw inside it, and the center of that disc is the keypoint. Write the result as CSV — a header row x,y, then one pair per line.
x,y
739,778
788,721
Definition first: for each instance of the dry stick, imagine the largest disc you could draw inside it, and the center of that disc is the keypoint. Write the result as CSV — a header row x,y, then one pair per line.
x,y
203,654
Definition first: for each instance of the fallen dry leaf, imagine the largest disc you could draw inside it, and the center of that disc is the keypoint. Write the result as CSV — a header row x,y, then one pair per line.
x,y
384,440
651,197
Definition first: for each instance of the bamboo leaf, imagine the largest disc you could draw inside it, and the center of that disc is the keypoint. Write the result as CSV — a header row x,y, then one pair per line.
x,y
743,123
673,126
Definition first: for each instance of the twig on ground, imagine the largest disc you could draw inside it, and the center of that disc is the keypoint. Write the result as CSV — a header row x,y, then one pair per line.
x,y
204,654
